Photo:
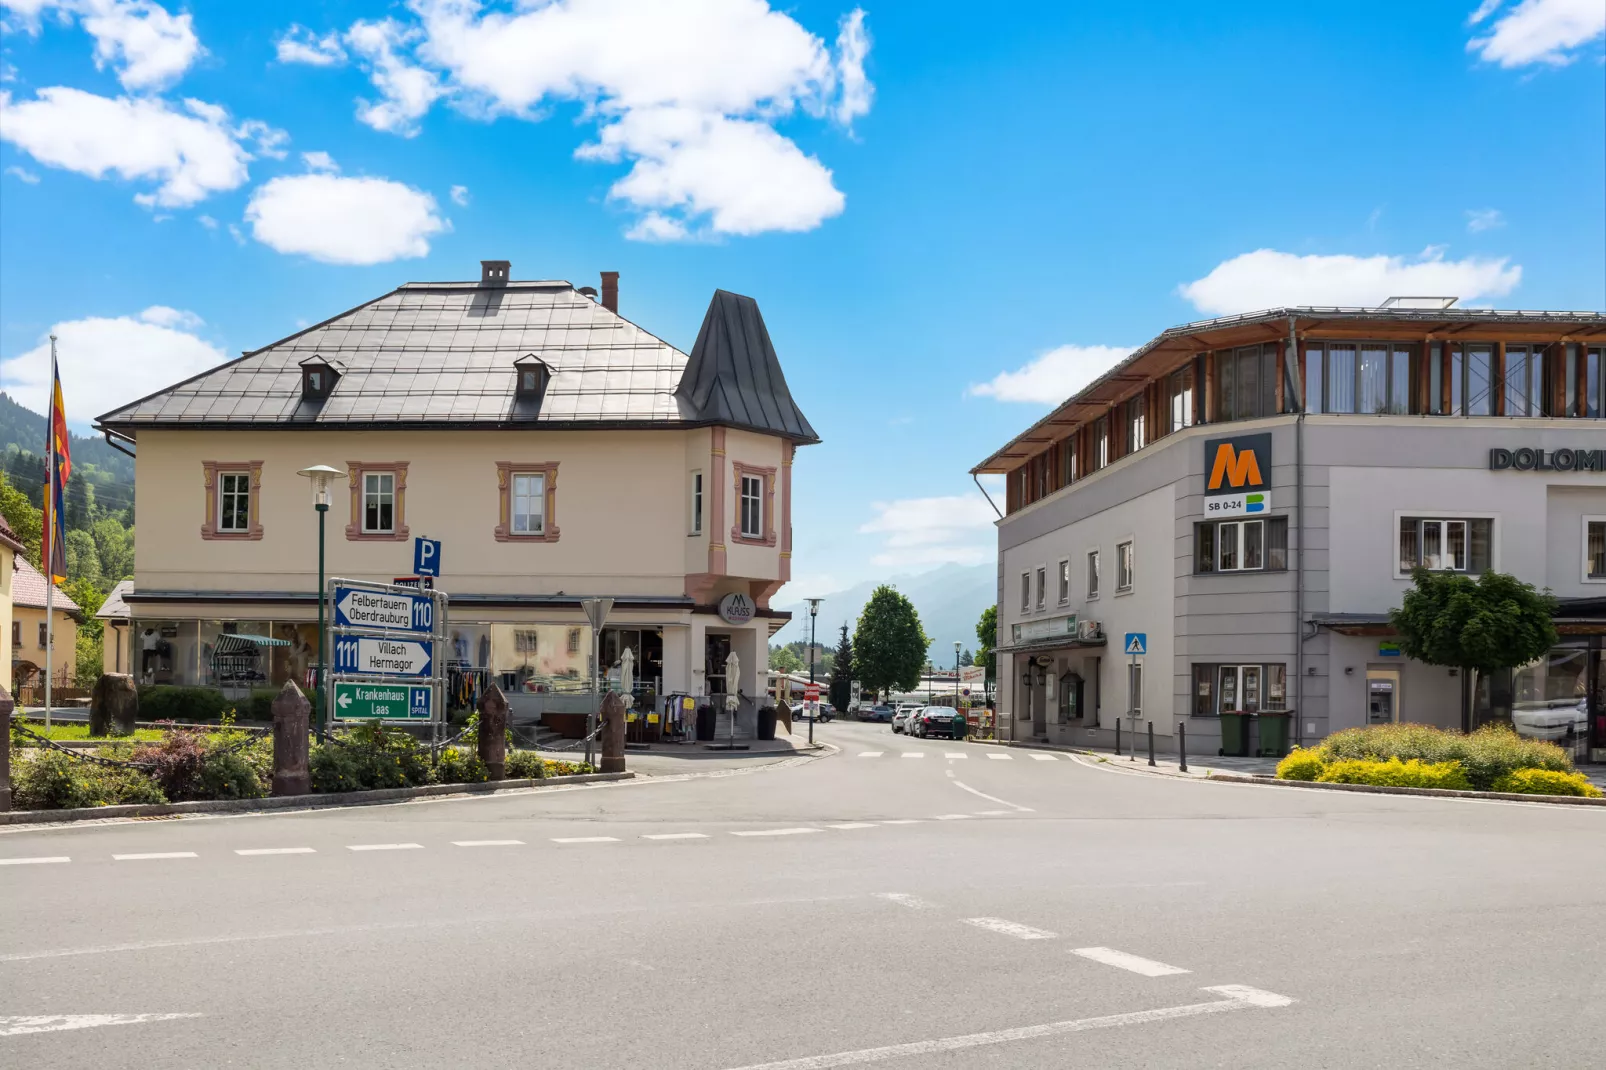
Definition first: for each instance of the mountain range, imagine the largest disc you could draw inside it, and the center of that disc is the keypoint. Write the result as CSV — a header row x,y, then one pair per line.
x,y
949,599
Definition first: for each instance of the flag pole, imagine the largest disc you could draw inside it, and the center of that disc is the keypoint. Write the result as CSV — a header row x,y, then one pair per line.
x,y
47,547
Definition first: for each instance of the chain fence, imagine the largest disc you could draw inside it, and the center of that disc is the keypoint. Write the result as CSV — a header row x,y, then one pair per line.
x,y
21,726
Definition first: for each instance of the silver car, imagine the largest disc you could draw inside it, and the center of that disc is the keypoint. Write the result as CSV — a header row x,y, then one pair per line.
x,y
900,719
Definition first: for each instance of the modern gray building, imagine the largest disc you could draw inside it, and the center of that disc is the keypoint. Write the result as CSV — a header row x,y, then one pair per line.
x,y
1248,496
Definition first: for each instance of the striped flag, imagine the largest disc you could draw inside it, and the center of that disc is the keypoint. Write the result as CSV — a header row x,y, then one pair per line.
x,y
53,545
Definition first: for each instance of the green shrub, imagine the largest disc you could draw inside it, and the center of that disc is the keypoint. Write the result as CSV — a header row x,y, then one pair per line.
x,y
1547,782
167,703
460,767
1397,774
368,757
1300,764
191,764
524,765
51,780
1487,754
257,707
555,767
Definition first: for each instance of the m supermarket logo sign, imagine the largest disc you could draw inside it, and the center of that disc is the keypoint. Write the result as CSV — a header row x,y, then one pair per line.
x,y
1237,475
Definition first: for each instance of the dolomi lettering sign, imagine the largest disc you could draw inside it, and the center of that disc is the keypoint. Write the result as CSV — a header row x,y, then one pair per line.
x,y
1526,459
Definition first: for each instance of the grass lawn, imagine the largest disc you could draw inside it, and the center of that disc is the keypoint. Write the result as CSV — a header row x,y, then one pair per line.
x,y
81,731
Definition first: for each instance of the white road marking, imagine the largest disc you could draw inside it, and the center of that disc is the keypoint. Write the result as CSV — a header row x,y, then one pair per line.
x,y
384,847
487,843
1002,757
153,854
585,839
276,851
775,832
913,902
871,753
903,821
994,813
1238,998
16,1025
1121,960
1010,928
677,836
1044,758
40,861
853,825
914,754
993,798
953,817
954,754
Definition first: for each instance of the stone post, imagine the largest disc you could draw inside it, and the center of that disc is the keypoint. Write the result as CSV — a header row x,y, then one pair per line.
x,y
100,717
118,698
6,706
493,732
613,733
292,717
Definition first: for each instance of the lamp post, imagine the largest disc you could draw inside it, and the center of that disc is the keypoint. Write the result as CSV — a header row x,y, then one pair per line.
x,y
957,647
320,475
814,611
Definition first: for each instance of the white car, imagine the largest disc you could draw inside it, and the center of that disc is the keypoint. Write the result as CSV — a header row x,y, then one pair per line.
x,y
900,719
1554,721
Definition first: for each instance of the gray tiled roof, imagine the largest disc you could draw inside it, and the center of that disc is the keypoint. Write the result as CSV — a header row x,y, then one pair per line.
x,y
437,354
734,376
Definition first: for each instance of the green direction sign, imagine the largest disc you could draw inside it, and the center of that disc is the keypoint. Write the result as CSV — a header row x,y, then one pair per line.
x,y
365,701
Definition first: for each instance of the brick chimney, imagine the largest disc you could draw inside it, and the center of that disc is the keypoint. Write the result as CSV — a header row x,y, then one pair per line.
x,y
610,291
494,272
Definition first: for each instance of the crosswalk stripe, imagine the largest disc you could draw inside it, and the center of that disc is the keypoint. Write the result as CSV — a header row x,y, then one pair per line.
x,y
152,855
1010,928
871,753
384,847
1045,758
585,839
1002,757
254,851
676,836
853,825
776,832
903,821
953,817
914,754
42,860
487,843
1120,959
957,754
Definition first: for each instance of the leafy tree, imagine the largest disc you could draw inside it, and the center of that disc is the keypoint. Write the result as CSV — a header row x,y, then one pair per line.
x,y
987,635
842,672
77,502
24,519
1493,622
89,662
784,659
889,645
114,544
966,659
89,598
83,560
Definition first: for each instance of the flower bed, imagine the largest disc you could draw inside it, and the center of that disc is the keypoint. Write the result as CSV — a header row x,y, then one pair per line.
x,y
1494,758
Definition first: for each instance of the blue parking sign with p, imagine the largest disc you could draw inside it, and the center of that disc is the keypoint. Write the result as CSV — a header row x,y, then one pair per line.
x,y
426,557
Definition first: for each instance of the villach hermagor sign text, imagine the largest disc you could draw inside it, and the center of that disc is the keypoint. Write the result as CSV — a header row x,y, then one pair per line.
x,y
1533,460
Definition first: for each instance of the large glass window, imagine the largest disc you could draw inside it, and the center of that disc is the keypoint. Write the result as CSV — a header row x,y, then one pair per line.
x,y
379,502
1219,689
529,504
1124,566
1445,544
1594,383
1480,380
1369,378
234,501
1135,425
1179,388
167,652
1313,378
1242,545
1524,372
1594,548
1340,379
1246,382
1101,438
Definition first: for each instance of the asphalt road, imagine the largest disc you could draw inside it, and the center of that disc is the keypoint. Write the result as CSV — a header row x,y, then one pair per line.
x,y
943,911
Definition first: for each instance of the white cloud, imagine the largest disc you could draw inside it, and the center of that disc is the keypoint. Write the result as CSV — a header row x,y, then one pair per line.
x,y
933,531
1266,278
1481,219
686,93
1537,31
110,361
406,89
206,221
1052,377
191,153
237,234
319,161
149,46
23,175
460,196
301,45
343,220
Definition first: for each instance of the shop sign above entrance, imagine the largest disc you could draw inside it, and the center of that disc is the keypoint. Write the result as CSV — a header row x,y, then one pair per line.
x,y
1537,460
1237,475
1051,628
736,608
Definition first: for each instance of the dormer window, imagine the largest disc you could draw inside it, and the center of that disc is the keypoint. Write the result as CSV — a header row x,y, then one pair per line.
x,y
494,272
532,377
317,378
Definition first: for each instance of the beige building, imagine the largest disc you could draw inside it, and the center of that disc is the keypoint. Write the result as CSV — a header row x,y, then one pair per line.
x,y
556,450
9,549
27,627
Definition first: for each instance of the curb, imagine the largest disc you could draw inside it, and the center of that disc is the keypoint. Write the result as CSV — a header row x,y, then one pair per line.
x,y
298,802
1382,789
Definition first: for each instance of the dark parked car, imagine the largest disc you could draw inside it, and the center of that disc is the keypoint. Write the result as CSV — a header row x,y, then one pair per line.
x,y
938,721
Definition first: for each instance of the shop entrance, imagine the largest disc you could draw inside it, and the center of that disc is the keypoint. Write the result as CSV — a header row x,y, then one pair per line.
x,y
1382,696
1070,698
716,648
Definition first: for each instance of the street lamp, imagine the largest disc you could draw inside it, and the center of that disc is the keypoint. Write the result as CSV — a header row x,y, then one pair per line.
x,y
957,647
814,611
320,475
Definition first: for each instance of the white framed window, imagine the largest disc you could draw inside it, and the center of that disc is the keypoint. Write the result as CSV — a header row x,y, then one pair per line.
x,y
696,503
752,507
1241,545
1124,565
378,502
234,502
529,503
1445,544
1594,549
1092,573
1065,580
1025,592
1042,588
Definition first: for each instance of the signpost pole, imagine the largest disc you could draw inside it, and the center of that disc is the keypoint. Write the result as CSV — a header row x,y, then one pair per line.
x,y
319,686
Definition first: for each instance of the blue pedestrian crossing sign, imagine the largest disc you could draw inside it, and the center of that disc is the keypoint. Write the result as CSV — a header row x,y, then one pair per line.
x,y
1137,642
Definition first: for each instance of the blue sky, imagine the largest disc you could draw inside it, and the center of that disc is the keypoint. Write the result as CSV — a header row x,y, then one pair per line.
x,y
950,218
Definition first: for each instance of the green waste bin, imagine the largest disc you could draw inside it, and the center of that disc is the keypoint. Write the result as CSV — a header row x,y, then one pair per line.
x,y
1235,734
1273,735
